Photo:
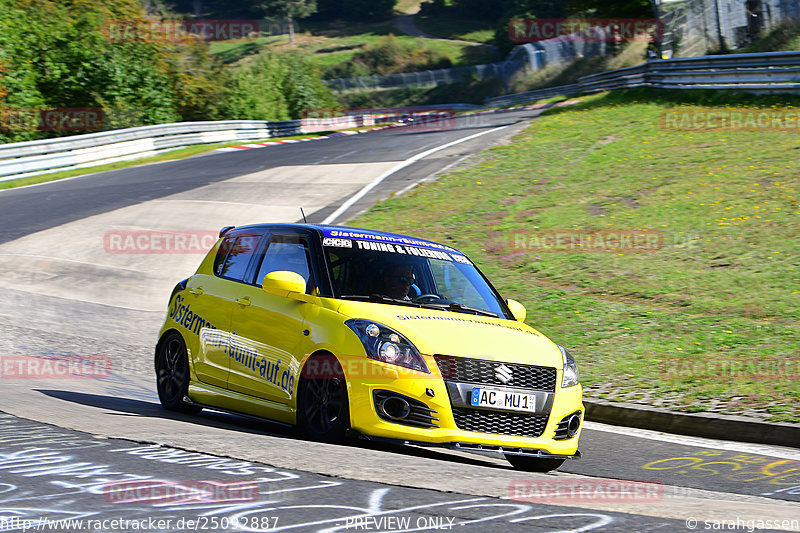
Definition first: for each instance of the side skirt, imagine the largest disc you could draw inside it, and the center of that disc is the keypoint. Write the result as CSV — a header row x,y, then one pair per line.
x,y
219,399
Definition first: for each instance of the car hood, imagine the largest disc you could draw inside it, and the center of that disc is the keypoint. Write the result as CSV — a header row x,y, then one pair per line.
x,y
461,334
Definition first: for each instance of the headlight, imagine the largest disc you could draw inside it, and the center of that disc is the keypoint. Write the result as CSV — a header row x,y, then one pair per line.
x,y
571,375
384,344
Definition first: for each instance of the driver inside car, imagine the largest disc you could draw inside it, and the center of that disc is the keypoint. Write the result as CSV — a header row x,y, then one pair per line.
x,y
396,280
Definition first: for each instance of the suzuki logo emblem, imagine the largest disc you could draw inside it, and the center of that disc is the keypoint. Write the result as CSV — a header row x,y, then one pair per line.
x,y
503,373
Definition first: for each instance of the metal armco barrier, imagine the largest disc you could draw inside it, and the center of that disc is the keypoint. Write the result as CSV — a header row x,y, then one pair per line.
x,y
79,151
772,72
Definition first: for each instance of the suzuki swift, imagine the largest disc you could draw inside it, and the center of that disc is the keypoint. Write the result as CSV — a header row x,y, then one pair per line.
x,y
352,332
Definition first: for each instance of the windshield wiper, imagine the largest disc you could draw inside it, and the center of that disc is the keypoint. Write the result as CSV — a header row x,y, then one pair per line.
x,y
381,298
452,306
455,306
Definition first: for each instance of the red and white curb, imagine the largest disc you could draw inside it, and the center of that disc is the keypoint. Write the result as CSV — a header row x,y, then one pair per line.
x,y
294,141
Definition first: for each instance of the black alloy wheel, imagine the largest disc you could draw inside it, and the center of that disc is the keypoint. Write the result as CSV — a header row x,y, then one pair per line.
x,y
172,375
323,408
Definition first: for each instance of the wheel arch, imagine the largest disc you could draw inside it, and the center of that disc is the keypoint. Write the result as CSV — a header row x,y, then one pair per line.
x,y
161,342
303,376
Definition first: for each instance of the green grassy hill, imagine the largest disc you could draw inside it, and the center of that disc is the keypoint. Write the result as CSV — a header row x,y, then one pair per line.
x,y
332,44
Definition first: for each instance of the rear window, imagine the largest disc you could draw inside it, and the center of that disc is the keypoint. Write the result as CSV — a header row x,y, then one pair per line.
x,y
234,256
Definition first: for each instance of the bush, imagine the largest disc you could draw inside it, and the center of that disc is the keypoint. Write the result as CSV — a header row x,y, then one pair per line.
x,y
390,56
98,54
276,87
60,54
254,91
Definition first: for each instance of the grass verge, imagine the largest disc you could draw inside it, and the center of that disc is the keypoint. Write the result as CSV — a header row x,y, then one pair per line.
x,y
479,31
685,326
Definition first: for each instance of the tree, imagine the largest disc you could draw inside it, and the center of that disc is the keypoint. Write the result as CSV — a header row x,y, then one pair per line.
x,y
613,8
276,87
290,10
255,91
367,9
58,54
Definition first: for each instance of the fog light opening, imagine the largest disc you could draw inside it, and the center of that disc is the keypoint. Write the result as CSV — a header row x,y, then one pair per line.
x,y
574,424
395,408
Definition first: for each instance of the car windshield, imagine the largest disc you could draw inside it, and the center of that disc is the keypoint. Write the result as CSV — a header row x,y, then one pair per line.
x,y
409,275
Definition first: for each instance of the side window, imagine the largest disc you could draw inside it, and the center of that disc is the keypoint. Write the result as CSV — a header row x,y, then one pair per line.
x,y
222,253
286,252
239,252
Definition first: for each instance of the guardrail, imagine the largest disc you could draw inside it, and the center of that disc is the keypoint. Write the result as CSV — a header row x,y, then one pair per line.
x,y
31,158
503,70
772,72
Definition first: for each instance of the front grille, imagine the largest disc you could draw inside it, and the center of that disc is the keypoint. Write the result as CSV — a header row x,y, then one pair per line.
x,y
468,370
498,422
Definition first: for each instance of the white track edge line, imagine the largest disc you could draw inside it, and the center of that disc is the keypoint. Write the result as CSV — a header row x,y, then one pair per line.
x,y
360,194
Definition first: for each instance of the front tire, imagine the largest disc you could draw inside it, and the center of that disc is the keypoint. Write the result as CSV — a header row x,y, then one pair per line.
x,y
534,464
323,408
172,374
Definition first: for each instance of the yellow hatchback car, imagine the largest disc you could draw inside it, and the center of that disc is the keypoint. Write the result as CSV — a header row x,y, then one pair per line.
x,y
345,331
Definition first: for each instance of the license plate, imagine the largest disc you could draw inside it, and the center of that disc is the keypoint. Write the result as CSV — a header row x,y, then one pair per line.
x,y
516,401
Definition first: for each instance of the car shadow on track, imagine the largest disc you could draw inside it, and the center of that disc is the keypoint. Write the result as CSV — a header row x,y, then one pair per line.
x,y
140,408
256,426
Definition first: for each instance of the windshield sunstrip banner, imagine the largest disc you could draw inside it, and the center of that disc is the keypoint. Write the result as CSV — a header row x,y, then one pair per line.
x,y
364,235
395,248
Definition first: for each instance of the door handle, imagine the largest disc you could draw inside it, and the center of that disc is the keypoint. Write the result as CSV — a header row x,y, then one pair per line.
x,y
245,301
197,292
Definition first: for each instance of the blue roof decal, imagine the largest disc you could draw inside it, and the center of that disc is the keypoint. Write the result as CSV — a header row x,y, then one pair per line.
x,y
379,236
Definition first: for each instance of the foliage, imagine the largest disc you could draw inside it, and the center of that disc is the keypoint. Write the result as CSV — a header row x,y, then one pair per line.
x,y
289,10
295,9
612,8
783,37
276,87
356,9
66,54
304,88
254,92
112,56
556,75
390,56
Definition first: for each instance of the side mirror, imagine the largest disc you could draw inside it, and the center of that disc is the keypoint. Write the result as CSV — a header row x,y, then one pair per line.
x,y
286,283
517,309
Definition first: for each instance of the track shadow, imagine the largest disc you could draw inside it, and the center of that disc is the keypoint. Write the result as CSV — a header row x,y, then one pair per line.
x,y
243,423
131,407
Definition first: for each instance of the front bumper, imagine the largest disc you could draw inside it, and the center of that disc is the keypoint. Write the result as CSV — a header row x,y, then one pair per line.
x,y
495,429
469,447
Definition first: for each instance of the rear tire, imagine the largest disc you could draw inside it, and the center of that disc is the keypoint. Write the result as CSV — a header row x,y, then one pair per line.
x,y
172,375
322,405
534,464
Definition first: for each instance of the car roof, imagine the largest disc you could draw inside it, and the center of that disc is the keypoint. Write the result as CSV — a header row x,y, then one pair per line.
x,y
346,232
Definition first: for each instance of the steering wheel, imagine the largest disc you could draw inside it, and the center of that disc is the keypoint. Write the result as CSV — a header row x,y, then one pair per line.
x,y
427,298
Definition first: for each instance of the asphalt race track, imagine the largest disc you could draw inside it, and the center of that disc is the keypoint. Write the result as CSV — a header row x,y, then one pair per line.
x,y
100,449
